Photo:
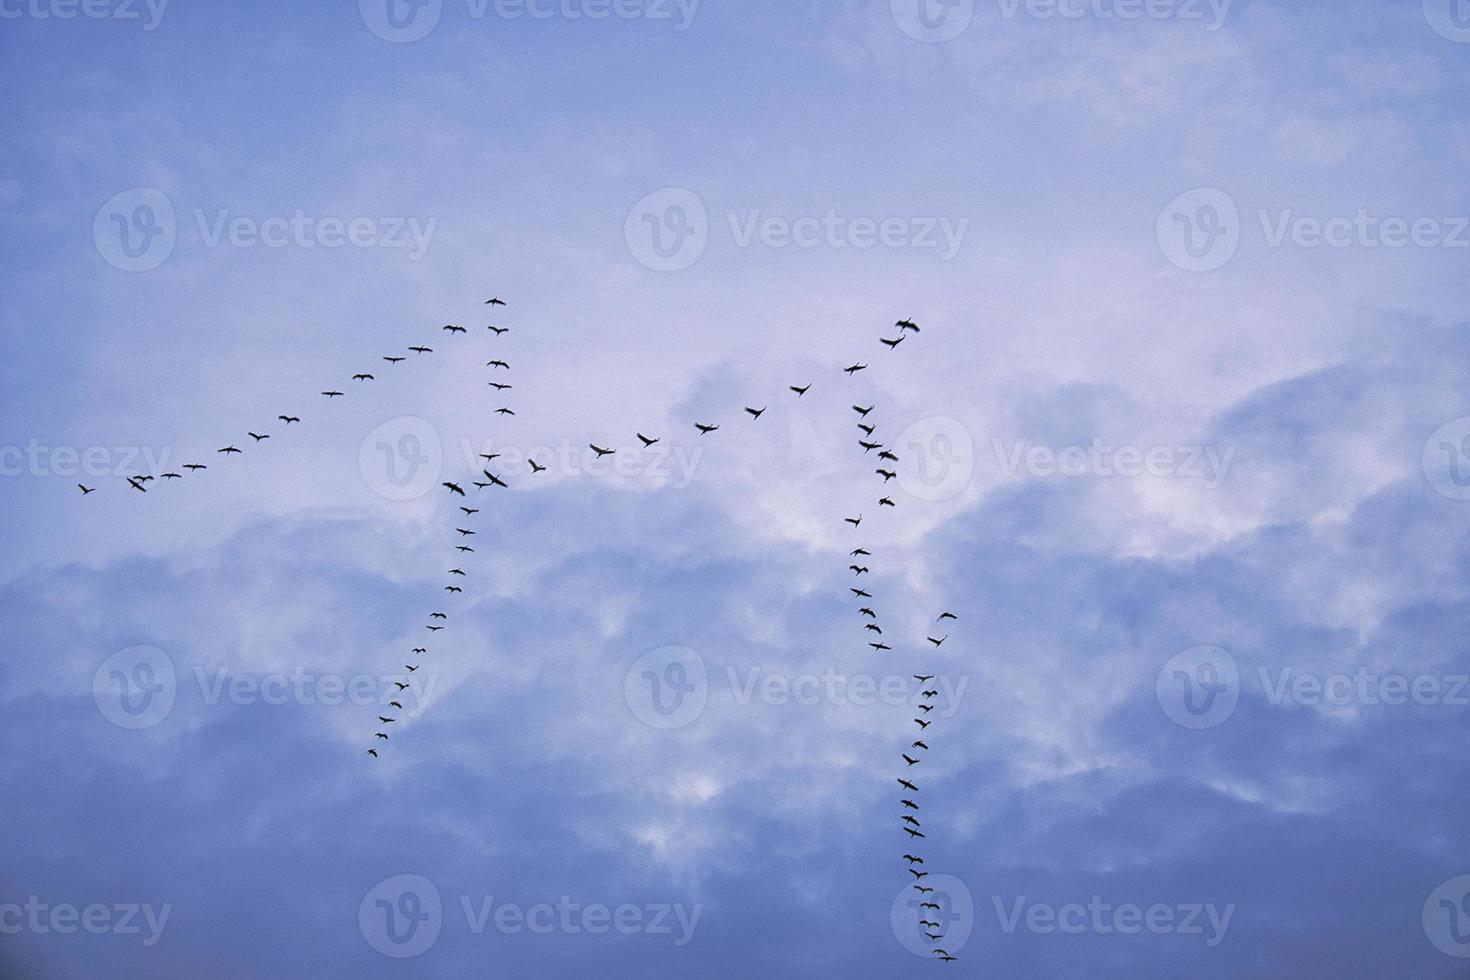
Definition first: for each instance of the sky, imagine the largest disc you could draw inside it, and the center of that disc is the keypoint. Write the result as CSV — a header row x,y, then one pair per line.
x,y
1185,443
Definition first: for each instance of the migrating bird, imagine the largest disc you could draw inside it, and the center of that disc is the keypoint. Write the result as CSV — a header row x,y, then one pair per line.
x,y
886,474
400,685
465,548
861,552
910,804
504,411
908,325
922,723
452,588
433,629
600,451
939,642
455,488
333,394
373,753
854,521
754,412
908,785
86,490
869,446
859,569
470,511
913,860
395,704
929,694
382,736
923,889
861,593
910,760
946,615
438,615
452,328
495,481
863,411
706,429
490,457
457,571
135,484
466,533
875,628
173,476
536,467
918,875
800,391
386,721
363,377
892,344
420,649
195,466
410,667
501,387
854,369
288,419
499,330
886,502
920,744
880,647
912,832
494,301
257,438
868,612
647,442
394,360
926,708
867,429
422,350
498,364
227,450
885,454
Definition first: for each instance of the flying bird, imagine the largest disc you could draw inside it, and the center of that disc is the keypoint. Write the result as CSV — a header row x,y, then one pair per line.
x,y
861,552
227,450
455,488
333,394
453,328
465,548
382,736
755,413
373,753
504,411
922,723
861,593
875,628
706,429
422,350
195,466
499,330
386,721
501,387
363,377
470,511
939,642
494,301
859,569
394,360
800,391
912,832
173,476
854,369
495,481
920,744
135,484
600,451
498,364
908,785
433,629
869,446
908,325
886,474
452,588
257,438
885,454
910,759
880,647
886,502
863,411
647,442
86,490
946,615
536,467
465,532
913,860
457,571
438,615
868,429
910,804
868,612
400,685
288,419
854,521
892,344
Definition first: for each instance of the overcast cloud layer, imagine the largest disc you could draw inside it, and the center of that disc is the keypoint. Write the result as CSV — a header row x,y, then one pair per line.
x,y
1188,448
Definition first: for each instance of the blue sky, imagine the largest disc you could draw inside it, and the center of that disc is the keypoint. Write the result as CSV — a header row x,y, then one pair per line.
x,y
1187,440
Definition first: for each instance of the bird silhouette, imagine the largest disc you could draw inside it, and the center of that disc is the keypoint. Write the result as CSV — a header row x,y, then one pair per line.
x,y
860,553
173,476
755,413
333,394
863,411
455,488
922,723
854,369
394,360
494,301
886,474
364,376
386,721
470,511
885,454
867,429
647,442
947,615
920,744
600,451
868,612
886,502
194,467
536,467
892,344
422,350
454,328
854,521
874,628
495,481
931,694
373,753
923,678
706,429
257,438
400,685
228,450
457,571
912,832
382,736
913,860
910,760
136,484
880,647
907,325
438,615
498,364
869,446
800,391
861,593
908,785
499,386
86,490
499,330
939,642
910,804
288,419
452,588
504,411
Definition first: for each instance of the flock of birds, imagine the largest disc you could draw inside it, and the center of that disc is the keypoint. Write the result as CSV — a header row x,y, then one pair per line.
x,y
488,480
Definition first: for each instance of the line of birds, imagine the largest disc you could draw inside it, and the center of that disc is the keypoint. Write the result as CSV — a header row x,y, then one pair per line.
x,y
438,621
